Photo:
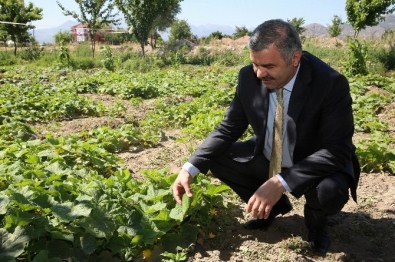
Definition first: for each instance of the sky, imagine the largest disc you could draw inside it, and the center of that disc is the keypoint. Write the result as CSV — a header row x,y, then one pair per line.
x,y
249,13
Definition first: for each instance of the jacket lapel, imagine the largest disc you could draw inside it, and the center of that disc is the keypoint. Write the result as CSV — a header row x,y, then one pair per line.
x,y
300,92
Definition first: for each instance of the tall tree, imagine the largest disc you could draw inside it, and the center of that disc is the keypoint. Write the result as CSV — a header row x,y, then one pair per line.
x,y
240,32
363,13
335,29
164,21
16,18
141,15
298,23
180,30
95,14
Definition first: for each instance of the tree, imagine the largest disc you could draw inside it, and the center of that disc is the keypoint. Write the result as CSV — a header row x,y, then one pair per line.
x,y
180,30
3,35
63,37
240,32
96,14
363,13
298,24
164,21
17,17
143,15
216,35
335,29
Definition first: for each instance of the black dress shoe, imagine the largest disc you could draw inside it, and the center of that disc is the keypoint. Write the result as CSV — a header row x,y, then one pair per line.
x,y
319,241
282,207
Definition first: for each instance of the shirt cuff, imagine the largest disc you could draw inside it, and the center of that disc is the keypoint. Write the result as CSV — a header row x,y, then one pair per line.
x,y
282,181
192,170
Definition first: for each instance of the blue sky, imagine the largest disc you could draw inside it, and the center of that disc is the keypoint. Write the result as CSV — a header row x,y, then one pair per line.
x,y
249,13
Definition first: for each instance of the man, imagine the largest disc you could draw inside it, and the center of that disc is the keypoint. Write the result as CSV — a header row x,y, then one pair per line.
x,y
317,156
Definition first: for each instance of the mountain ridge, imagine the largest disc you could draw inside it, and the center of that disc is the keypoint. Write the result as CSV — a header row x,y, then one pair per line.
x,y
312,30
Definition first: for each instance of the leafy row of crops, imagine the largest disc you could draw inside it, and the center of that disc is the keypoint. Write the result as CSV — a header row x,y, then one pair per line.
x,y
71,197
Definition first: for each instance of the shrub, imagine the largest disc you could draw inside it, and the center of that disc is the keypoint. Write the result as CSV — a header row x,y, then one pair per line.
x,y
356,63
82,63
31,53
108,61
387,57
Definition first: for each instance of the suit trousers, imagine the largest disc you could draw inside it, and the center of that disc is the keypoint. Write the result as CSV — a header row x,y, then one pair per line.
x,y
327,197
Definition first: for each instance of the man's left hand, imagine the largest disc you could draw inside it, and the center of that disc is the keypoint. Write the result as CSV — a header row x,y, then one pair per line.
x,y
262,201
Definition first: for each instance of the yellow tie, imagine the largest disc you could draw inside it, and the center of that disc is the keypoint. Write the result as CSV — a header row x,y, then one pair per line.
x,y
277,146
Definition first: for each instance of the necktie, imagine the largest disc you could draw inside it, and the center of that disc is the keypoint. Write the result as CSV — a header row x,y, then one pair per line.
x,y
277,146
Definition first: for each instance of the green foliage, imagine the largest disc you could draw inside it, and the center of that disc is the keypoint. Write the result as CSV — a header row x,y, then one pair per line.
x,y
387,57
376,154
7,58
37,102
180,30
32,53
216,35
357,56
371,95
108,60
71,198
63,37
21,15
64,56
144,16
298,23
82,63
95,14
363,13
335,29
240,32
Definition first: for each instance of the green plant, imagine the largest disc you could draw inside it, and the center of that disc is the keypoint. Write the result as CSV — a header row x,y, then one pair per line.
x,y
108,60
387,57
180,256
64,55
357,56
31,53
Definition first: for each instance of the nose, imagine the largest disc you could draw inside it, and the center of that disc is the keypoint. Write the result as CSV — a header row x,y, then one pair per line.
x,y
261,73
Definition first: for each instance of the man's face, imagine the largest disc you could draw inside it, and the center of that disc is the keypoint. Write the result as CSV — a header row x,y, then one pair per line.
x,y
272,69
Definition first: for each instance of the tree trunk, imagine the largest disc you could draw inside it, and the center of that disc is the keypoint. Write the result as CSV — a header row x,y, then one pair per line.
x,y
15,47
142,44
92,35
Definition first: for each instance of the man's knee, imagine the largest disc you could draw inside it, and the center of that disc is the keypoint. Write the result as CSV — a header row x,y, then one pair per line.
x,y
333,194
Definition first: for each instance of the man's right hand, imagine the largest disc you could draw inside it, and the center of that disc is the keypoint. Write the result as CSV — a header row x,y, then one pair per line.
x,y
182,185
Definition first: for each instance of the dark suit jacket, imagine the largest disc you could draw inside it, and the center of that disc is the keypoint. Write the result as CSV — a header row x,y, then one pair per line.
x,y
319,125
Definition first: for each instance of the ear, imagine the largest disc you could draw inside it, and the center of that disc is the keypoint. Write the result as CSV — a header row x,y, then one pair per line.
x,y
296,58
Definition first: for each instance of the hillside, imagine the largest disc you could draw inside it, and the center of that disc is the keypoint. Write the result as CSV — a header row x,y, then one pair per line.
x,y
312,30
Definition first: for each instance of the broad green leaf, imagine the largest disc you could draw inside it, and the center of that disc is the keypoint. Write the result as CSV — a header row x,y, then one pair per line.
x,y
149,209
179,211
55,168
88,244
215,189
42,256
13,244
3,203
81,210
185,204
98,224
32,159
63,211
176,213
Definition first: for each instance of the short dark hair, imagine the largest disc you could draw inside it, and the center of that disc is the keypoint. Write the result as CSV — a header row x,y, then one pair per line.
x,y
278,32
